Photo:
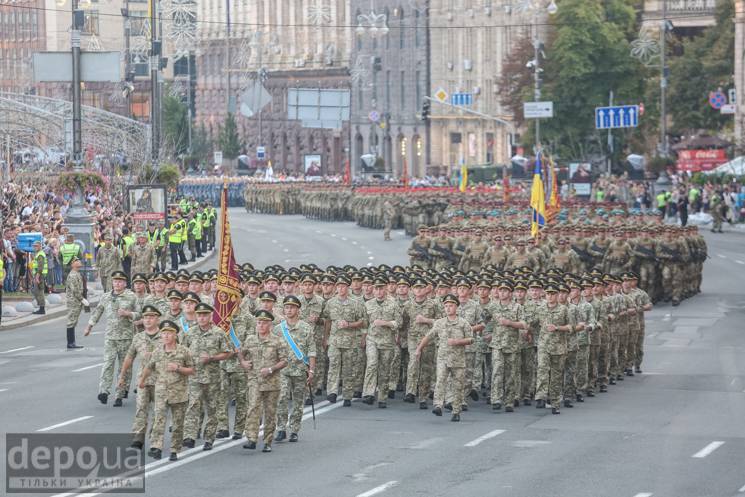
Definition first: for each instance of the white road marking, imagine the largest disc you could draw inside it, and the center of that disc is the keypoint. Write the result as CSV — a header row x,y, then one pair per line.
x,y
285,250
17,350
369,253
333,235
165,465
643,494
721,256
424,444
363,473
708,449
87,367
354,242
3,389
528,444
742,490
732,383
318,231
65,423
371,258
274,241
344,238
491,434
739,261
382,488
369,264
96,332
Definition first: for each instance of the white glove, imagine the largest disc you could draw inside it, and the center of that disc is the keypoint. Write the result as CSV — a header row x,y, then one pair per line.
x,y
85,303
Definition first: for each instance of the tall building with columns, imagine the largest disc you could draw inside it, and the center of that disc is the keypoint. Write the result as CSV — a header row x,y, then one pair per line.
x,y
287,44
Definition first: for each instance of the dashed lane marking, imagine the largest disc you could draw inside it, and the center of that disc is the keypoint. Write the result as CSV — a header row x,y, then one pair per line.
x,y
87,367
742,489
643,494
708,449
739,261
377,490
371,258
3,389
482,438
65,423
17,350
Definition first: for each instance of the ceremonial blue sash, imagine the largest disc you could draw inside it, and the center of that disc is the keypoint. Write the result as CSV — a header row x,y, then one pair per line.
x,y
184,324
288,338
234,337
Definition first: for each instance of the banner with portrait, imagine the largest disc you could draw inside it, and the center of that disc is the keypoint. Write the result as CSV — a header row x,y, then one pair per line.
x,y
313,165
580,178
146,203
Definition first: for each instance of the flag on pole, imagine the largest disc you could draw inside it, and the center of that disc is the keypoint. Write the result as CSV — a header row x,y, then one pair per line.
x,y
537,199
554,203
347,173
505,187
405,175
463,177
228,294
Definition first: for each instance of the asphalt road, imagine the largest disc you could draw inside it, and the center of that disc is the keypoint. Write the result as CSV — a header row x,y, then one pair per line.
x,y
678,430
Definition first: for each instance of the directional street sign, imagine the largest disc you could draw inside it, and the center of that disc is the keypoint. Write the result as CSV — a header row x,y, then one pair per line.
x,y
461,99
728,109
538,110
621,116
441,95
261,153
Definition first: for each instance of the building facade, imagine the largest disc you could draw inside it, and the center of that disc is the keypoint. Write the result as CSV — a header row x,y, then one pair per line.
x,y
285,44
22,32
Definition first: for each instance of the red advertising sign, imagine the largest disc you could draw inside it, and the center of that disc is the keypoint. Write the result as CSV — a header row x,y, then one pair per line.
x,y
701,160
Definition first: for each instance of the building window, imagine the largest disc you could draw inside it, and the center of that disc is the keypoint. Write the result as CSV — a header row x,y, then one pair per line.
x,y
90,27
401,34
403,90
418,90
360,97
416,29
387,90
387,35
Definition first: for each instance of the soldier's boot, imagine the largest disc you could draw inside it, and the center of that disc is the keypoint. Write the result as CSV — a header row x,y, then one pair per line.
x,y
638,370
267,448
496,406
515,403
423,404
118,403
249,445
391,394
331,398
40,310
137,445
103,398
71,339
509,409
676,303
474,395
223,434
437,411
293,437
540,404
568,403
580,398
409,397
207,446
455,418
308,401
604,388
382,405
155,453
281,435
237,436
555,410
527,402
347,403
188,443
173,456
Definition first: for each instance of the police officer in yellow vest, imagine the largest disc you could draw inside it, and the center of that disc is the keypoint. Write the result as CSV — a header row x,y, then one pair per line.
x,y
39,269
69,251
174,241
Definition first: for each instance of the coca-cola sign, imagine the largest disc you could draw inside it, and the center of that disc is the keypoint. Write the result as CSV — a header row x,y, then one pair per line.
x,y
701,160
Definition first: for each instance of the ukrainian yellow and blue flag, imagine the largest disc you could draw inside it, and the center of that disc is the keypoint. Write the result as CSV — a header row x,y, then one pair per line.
x,y
537,199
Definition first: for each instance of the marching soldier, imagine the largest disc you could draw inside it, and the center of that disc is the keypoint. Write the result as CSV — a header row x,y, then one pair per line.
x,y
39,270
75,299
108,260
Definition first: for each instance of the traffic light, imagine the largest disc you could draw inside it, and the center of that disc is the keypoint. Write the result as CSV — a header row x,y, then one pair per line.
x,y
425,110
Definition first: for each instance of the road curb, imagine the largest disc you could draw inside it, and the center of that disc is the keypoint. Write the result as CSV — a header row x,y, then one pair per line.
x,y
63,309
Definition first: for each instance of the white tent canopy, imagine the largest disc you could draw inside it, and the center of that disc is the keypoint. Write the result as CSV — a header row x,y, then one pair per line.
x,y
736,166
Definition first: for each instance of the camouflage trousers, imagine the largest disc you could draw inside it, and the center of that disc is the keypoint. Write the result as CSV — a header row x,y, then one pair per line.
x,y
593,363
202,397
341,370
484,370
618,353
294,389
505,377
638,345
319,378
648,278
570,375
37,291
360,358
527,372
387,225
261,405
73,314
604,358
233,386
629,348
114,351
157,432
550,377
106,282
420,374
583,368
397,375
377,371
145,399
455,377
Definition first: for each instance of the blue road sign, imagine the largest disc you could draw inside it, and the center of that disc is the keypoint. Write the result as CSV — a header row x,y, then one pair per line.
x,y
261,153
621,116
461,99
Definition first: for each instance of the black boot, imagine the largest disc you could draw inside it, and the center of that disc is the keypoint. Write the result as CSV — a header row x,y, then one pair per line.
x,y
40,310
71,339
281,435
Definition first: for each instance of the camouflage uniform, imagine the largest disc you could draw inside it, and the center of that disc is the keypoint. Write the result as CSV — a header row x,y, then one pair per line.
x,y
505,345
160,303
108,260
233,382
118,338
343,343
73,297
528,347
420,375
143,346
552,348
263,393
637,343
294,376
584,313
471,312
171,392
380,342
451,360
204,386
143,258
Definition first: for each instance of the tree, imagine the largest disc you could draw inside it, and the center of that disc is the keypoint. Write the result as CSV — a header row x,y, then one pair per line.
x,y
516,81
228,139
707,64
175,125
201,147
588,56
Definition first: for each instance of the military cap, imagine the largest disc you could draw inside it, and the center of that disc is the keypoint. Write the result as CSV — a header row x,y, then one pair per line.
x,y
367,279
451,299
327,278
265,295
183,278
398,269
264,315
247,266
483,284
586,283
307,277
535,284
203,308
551,289
195,277
463,282
252,279
356,276
167,325
175,294
403,280
191,297
271,277
139,277
520,285
182,271
343,280
292,300
504,284
151,310
419,282
160,277
119,275
573,284
171,275
212,275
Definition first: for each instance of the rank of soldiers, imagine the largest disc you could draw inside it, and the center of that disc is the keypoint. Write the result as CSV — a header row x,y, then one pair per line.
x,y
443,337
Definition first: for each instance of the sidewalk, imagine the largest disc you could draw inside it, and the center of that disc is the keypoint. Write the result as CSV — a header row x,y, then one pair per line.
x,y
20,314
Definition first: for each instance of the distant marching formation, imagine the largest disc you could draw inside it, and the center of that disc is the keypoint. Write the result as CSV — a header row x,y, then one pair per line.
x,y
513,335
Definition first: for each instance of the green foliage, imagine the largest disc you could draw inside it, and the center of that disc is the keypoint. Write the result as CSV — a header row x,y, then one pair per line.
x,y
169,175
87,180
228,139
588,56
707,64
175,125
658,164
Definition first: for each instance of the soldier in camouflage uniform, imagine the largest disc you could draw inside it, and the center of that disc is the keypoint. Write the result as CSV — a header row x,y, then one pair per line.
x,y
298,375
143,255
121,312
389,213
108,260
142,346
421,313
505,344
453,333
159,298
344,315
470,311
208,345
552,348
233,384
384,316
171,364
74,300
263,355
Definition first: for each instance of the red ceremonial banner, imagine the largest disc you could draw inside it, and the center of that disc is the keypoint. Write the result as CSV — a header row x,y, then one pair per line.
x,y
228,294
701,160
